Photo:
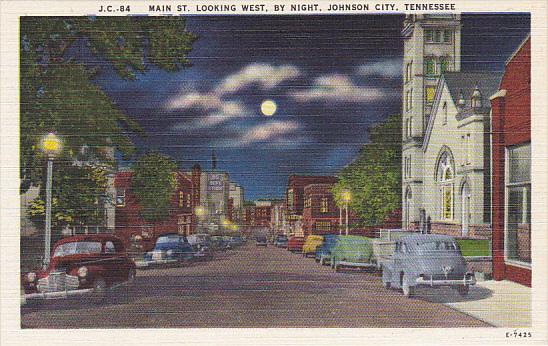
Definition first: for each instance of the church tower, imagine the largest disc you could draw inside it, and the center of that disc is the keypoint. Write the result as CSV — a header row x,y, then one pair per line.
x,y
431,47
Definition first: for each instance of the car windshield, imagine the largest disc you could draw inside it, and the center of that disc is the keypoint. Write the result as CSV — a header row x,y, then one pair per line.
x,y
77,247
168,239
439,246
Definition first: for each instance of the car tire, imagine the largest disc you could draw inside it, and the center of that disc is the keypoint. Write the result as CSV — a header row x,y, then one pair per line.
x,y
463,290
99,293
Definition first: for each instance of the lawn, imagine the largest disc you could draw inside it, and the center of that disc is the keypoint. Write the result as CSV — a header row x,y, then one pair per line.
x,y
474,247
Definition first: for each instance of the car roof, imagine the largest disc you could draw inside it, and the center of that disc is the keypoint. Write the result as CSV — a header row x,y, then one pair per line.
x,y
89,237
425,238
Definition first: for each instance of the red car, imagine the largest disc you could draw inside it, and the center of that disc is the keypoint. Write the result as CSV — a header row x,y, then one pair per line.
x,y
81,264
295,244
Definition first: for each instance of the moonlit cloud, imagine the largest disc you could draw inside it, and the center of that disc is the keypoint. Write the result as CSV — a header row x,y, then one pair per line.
x,y
274,132
386,68
196,100
265,75
338,88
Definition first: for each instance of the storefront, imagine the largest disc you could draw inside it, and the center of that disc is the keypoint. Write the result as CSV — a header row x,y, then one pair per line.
x,y
511,143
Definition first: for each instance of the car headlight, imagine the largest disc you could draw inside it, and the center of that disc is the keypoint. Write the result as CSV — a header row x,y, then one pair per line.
x,y
31,277
82,271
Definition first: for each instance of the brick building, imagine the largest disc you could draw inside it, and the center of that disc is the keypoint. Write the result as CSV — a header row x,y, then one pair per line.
x,y
511,155
129,222
295,198
320,213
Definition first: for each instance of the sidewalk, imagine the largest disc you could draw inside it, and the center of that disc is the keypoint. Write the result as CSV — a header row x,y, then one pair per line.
x,y
500,303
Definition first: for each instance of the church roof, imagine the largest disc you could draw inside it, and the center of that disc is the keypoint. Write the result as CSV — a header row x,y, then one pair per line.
x,y
465,82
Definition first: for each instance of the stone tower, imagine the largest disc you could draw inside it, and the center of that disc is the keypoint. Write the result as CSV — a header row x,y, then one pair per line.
x,y
431,47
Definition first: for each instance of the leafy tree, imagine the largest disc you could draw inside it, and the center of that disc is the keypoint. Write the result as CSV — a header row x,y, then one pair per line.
x,y
78,194
374,178
59,95
153,183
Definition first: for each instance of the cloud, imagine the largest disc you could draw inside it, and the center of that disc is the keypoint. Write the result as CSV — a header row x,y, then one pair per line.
x,y
386,68
338,88
265,75
274,132
196,100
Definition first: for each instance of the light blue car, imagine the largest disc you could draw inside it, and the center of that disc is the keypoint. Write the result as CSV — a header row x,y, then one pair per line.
x,y
426,260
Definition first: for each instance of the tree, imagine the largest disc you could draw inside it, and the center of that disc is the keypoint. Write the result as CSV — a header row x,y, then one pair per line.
x,y
59,95
153,183
374,178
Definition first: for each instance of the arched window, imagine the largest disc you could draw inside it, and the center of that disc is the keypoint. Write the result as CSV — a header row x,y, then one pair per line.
x,y
445,175
407,208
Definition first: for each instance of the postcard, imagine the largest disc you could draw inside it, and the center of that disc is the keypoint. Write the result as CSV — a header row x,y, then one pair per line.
x,y
273,172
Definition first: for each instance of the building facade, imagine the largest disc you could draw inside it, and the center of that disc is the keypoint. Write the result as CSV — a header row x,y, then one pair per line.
x,y
294,201
236,196
278,222
511,152
263,211
129,223
320,213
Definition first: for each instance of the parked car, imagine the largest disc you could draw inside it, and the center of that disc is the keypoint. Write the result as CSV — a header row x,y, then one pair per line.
x,y
323,252
426,260
169,248
311,242
261,240
281,240
199,239
79,265
295,244
235,241
352,251
219,243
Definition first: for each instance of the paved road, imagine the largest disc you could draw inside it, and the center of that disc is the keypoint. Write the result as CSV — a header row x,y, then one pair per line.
x,y
249,287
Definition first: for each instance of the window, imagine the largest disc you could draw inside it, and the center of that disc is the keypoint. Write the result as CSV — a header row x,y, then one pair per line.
x,y
308,202
109,247
409,166
410,129
324,226
437,36
181,199
468,148
408,71
188,200
409,100
429,66
445,177
444,110
429,93
517,223
120,198
444,64
429,36
447,35
324,205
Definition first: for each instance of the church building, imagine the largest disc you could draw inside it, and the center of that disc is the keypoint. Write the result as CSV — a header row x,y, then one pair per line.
x,y
446,144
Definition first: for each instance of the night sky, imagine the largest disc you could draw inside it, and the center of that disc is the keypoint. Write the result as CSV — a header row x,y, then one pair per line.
x,y
330,76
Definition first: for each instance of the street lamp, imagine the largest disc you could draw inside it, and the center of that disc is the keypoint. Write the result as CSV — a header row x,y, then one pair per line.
x,y
200,212
346,197
51,145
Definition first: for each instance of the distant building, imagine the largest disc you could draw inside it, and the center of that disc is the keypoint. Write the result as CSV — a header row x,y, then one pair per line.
x,y
263,210
511,143
295,198
278,221
320,213
236,196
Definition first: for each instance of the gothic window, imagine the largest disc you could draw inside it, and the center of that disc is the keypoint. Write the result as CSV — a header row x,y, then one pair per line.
x,y
445,176
444,109
429,93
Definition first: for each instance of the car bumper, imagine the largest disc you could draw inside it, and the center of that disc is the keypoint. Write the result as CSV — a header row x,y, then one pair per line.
x,y
62,294
144,264
465,281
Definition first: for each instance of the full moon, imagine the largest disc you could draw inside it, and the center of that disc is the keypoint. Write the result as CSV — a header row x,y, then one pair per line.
x,y
268,107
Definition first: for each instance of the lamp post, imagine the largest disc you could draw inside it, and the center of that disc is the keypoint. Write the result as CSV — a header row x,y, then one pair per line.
x,y
346,197
51,146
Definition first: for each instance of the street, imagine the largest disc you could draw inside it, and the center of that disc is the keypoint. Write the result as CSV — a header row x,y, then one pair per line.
x,y
250,287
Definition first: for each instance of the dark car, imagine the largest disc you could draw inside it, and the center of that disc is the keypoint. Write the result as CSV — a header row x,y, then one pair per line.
x,y
169,248
295,244
261,240
219,243
79,265
323,252
281,241
426,260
